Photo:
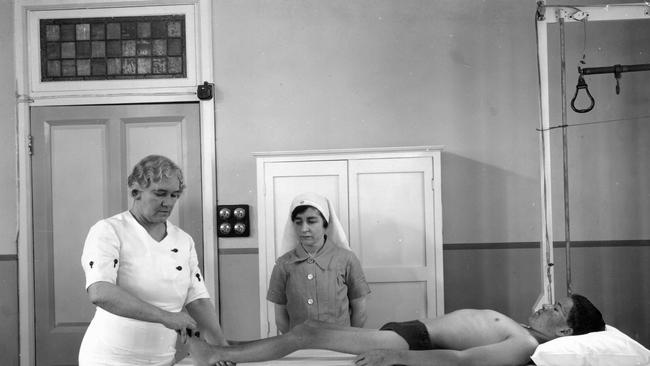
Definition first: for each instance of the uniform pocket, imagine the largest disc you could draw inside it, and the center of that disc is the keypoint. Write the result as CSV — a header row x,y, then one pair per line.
x,y
340,280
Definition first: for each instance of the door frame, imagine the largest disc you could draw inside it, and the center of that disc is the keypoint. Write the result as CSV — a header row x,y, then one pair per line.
x,y
26,98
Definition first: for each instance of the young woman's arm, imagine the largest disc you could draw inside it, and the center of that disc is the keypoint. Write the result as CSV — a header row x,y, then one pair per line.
x,y
358,313
282,318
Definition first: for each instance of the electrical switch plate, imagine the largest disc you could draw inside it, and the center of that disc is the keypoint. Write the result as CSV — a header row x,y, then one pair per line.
x,y
233,221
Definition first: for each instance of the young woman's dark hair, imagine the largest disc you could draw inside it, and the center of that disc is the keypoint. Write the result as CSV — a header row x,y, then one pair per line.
x,y
584,317
300,209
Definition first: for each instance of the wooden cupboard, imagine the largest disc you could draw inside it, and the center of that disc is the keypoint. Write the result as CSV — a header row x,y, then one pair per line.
x,y
389,203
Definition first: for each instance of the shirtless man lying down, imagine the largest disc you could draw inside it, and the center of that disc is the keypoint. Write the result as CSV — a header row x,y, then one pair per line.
x,y
463,337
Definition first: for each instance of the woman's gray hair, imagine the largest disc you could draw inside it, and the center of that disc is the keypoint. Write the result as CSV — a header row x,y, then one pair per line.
x,y
153,169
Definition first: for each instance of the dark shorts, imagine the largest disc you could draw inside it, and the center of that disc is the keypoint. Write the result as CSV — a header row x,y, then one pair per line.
x,y
414,333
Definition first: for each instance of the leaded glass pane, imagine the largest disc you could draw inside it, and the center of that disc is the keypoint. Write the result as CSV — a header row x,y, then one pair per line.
x,y
143,47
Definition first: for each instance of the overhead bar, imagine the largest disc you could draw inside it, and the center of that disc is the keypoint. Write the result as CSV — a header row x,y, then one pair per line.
x,y
616,69
578,13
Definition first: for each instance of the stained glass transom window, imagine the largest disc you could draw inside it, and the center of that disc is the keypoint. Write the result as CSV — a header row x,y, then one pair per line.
x,y
142,47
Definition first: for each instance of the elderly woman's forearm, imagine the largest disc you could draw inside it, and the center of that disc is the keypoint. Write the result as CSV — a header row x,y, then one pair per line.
x,y
119,302
204,312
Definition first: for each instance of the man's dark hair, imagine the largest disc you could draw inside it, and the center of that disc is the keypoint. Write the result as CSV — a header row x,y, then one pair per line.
x,y
584,317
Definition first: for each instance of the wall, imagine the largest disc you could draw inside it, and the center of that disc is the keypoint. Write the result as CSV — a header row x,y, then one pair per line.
x,y
8,178
303,75
9,196
505,277
9,311
294,75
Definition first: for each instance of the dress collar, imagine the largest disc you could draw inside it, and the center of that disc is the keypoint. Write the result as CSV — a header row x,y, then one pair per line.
x,y
322,257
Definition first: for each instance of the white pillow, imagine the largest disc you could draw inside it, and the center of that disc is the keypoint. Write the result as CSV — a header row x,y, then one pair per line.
x,y
610,347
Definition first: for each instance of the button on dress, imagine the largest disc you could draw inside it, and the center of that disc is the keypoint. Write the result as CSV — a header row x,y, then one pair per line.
x,y
318,287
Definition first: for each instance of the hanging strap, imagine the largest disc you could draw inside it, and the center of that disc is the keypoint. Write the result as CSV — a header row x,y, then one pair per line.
x,y
582,85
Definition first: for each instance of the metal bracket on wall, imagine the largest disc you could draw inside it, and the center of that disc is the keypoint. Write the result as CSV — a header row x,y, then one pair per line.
x,y
204,91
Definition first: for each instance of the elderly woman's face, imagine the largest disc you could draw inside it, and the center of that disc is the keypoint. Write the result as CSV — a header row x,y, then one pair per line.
x,y
309,227
157,201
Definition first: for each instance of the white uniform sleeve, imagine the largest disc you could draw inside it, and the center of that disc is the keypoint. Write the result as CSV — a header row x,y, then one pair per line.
x,y
101,254
197,288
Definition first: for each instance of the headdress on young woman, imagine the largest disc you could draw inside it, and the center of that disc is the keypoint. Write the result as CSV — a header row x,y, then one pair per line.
x,y
334,231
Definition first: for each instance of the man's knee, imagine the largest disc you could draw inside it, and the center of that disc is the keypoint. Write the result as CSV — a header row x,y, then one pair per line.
x,y
306,329
308,332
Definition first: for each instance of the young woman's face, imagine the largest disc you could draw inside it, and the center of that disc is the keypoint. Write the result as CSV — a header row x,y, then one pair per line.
x,y
157,201
310,228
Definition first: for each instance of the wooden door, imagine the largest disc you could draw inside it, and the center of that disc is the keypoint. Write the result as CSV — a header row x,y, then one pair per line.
x,y
282,182
392,231
81,159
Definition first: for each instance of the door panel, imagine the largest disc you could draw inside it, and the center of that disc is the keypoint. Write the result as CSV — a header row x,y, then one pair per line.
x,y
82,158
395,219
391,230
138,144
66,141
288,180
283,182
392,300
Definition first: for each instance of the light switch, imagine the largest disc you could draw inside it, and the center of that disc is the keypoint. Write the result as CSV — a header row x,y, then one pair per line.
x,y
233,221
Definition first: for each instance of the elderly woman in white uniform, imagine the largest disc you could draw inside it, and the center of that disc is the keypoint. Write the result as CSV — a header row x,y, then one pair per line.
x,y
141,272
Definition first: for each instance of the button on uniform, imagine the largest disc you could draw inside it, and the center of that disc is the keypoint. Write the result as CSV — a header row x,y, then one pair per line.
x,y
310,301
310,276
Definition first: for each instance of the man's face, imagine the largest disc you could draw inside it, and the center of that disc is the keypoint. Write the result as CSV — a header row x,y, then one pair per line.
x,y
551,320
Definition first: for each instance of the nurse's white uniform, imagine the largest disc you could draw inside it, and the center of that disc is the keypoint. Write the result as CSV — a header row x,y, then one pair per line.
x,y
165,274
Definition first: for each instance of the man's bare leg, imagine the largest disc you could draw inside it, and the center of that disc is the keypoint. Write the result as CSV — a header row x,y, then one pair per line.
x,y
309,335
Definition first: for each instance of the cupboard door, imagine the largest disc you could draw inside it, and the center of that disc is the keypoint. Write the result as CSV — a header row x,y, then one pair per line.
x,y
282,182
392,231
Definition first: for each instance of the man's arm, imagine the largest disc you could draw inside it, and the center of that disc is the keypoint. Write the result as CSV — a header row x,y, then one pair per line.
x,y
514,351
203,311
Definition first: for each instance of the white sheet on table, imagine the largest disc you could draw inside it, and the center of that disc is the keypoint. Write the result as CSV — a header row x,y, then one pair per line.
x,y
306,357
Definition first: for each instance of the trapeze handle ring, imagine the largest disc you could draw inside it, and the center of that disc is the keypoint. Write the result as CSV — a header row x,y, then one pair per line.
x,y
582,85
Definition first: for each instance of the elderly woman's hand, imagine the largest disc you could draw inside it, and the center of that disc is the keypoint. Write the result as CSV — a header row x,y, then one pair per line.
x,y
225,363
181,322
